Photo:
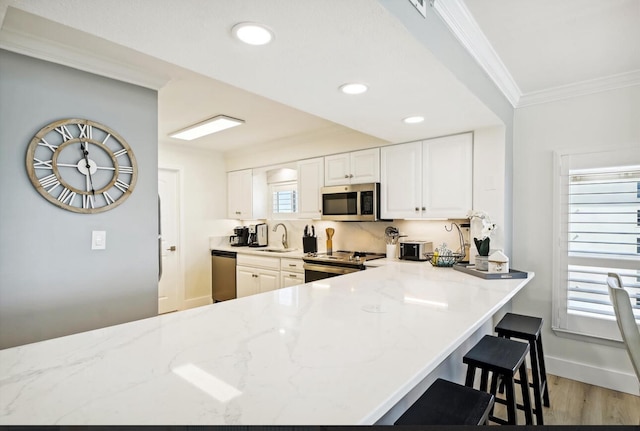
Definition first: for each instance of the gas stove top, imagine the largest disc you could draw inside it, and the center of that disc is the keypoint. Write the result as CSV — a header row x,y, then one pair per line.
x,y
343,257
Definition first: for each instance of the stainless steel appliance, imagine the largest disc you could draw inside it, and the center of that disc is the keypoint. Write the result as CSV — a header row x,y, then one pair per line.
x,y
357,202
322,265
240,236
415,250
223,275
258,235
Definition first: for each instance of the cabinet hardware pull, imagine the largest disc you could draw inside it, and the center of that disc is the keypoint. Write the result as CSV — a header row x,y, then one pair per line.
x,y
292,264
293,276
417,209
423,208
350,175
346,176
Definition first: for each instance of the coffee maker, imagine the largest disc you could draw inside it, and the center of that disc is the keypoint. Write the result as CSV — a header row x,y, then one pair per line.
x,y
240,236
258,235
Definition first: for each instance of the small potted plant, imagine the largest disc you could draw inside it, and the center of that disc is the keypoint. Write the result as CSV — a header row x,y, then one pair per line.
x,y
483,243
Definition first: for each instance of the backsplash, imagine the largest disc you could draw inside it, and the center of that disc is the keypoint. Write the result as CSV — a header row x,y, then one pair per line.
x,y
363,236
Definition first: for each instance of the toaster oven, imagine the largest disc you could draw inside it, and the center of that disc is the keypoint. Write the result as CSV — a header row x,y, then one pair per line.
x,y
415,250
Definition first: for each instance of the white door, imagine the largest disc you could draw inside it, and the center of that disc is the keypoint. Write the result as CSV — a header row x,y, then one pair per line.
x,y
365,166
310,180
247,283
336,170
401,171
447,176
170,285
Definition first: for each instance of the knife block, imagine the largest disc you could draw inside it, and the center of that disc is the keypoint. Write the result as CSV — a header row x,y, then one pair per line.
x,y
310,244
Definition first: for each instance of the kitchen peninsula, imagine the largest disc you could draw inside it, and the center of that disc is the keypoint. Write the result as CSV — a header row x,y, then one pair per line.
x,y
355,349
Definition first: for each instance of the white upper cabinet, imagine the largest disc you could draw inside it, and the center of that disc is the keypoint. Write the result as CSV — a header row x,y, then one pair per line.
x,y
246,195
352,168
447,176
400,183
427,179
310,180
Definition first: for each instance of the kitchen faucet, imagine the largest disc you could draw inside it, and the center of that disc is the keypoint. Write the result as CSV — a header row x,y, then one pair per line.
x,y
285,242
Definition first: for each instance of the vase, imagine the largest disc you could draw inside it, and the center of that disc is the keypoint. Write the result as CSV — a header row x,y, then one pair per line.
x,y
482,245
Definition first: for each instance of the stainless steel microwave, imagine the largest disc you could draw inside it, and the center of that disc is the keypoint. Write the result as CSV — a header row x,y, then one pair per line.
x,y
355,202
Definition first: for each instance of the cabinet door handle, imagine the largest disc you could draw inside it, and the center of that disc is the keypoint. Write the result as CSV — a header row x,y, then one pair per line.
x,y
293,276
424,209
293,264
350,175
346,176
417,209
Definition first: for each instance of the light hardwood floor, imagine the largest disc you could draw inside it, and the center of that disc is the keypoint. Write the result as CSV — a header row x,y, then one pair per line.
x,y
576,403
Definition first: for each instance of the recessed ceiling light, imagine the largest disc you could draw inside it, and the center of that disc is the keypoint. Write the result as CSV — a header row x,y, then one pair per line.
x,y
353,88
252,33
207,127
413,120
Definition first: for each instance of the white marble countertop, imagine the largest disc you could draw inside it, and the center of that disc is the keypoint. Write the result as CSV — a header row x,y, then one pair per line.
x,y
338,351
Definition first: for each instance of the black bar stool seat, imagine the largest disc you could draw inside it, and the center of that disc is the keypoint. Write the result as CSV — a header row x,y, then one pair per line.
x,y
503,358
448,403
529,328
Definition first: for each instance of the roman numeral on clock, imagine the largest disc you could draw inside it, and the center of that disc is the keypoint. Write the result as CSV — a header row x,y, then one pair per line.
x,y
121,185
67,196
108,199
125,169
49,182
42,164
44,143
64,132
87,201
86,131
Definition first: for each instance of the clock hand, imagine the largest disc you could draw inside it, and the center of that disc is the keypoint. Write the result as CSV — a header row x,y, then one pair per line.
x,y
85,153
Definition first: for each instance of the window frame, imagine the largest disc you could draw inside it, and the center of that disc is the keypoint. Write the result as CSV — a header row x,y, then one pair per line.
x,y
283,185
564,321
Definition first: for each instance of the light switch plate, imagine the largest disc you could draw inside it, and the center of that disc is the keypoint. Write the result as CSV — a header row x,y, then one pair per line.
x,y
98,240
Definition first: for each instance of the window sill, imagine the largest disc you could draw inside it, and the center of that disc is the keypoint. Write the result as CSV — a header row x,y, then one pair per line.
x,y
587,338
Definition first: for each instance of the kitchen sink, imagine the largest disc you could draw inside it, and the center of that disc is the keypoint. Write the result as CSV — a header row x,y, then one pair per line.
x,y
277,250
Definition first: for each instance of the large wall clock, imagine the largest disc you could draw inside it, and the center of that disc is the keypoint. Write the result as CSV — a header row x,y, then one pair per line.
x,y
81,166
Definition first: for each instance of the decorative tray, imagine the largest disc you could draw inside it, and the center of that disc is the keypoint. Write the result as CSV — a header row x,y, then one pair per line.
x,y
470,269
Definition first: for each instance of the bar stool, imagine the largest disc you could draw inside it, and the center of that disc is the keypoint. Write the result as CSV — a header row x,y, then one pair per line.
x,y
529,328
502,357
448,403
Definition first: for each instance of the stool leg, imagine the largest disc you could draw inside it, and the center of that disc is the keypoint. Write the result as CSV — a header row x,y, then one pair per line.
x,y
509,385
535,371
494,385
471,374
501,388
526,399
543,372
484,378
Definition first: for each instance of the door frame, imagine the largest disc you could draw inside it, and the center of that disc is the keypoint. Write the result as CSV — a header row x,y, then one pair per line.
x,y
180,212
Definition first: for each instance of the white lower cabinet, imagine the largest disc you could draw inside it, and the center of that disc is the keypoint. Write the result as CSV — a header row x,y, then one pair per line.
x,y
288,279
258,274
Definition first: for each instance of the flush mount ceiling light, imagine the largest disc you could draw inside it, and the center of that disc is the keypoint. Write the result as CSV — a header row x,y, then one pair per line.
x,y
207,127
353,88
413,120
252,33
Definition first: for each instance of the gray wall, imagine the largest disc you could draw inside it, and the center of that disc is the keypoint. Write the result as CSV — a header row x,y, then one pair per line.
x,y
51,282
437,37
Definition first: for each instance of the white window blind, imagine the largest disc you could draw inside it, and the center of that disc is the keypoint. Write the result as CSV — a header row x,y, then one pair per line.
x,y
284,200
599,232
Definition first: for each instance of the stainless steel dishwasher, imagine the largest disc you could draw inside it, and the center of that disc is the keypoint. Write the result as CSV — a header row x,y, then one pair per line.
x,y
223,275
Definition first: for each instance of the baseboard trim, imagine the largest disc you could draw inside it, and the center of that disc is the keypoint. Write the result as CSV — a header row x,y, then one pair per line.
x,y
610,379
197,302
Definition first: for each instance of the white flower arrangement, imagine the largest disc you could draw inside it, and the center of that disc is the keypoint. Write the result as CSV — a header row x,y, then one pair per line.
x,y
487,225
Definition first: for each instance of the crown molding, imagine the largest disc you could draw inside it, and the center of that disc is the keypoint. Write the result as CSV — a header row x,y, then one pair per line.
x,y
462,24
582,88
49,50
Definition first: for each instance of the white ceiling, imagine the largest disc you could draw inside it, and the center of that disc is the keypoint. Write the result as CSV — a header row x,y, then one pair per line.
x,y
551,43
287,91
